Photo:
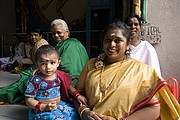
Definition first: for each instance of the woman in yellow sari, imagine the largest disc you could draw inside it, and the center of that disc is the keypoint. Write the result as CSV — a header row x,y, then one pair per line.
x,y
121,88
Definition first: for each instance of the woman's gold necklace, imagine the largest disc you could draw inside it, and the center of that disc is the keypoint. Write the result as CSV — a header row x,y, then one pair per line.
x,y
104,87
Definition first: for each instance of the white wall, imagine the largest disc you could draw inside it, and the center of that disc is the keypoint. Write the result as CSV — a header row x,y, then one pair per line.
x,y
166,15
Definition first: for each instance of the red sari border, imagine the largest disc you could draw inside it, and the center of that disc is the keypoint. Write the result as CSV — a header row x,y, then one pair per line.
x,y
149,97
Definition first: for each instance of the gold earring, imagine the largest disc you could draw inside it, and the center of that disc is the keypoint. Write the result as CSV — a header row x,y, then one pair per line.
x,y
127,52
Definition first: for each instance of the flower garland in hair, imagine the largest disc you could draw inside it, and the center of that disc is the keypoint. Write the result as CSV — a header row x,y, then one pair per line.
x,y
100,60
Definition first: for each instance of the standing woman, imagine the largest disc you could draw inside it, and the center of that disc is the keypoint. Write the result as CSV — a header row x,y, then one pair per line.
x,y
73,54
141,50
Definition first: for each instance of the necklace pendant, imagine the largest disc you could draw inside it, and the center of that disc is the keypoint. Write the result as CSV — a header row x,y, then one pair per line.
x,y
103,88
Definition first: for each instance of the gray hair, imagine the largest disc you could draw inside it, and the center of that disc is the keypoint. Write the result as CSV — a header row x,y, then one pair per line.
x,y
60,22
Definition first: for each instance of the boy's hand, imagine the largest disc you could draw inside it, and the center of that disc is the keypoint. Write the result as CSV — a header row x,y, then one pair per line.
x,y
34,71
51,106
82,100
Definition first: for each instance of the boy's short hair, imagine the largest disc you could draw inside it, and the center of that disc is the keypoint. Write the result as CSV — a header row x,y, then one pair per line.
x,y
36,30
45,49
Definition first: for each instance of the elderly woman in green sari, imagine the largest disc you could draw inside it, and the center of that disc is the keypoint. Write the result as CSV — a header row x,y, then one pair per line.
x,y
73,54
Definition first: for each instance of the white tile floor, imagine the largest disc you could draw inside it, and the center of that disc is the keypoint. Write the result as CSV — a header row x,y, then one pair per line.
x,y
11,112
7,78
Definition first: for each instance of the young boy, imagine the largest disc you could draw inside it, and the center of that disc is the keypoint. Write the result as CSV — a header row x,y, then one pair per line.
x,y
47,92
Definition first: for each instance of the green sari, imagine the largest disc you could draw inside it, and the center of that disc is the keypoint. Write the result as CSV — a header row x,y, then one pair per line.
x,y
73,57
14,92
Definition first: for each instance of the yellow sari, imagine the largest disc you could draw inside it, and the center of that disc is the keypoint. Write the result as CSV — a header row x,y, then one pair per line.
x,y
121,88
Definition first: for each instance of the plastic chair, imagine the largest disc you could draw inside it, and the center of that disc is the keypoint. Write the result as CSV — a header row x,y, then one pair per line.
x,y
173,85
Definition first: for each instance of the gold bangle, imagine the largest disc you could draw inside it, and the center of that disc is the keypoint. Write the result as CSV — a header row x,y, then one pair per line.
x,y
83,111
81,108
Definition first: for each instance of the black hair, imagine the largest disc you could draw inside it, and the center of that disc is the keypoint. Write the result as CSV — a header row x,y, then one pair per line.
x,y
120,25
131,16
45,49
35,29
